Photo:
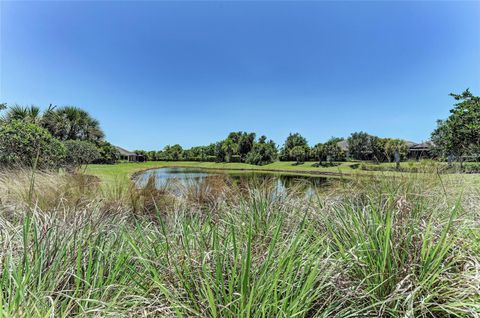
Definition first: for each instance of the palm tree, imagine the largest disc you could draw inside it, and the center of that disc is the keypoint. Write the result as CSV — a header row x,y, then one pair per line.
x,y
70,122
30,114
230,147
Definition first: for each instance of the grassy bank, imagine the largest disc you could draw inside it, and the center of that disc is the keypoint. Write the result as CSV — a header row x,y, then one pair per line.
x,y
123,171
389,247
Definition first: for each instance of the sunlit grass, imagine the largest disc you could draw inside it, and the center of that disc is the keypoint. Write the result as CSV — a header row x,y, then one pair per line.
x,y
385,247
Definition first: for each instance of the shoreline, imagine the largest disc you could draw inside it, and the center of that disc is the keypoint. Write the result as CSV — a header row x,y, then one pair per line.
x,y
329,174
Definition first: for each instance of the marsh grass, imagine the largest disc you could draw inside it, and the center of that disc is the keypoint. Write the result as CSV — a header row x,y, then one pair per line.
x,y
382,247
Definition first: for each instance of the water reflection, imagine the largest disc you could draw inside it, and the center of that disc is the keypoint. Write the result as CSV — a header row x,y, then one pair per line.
x,y
175,179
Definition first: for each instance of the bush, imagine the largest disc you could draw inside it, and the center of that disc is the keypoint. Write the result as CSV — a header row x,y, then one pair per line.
x,y
261,154
27,144
80,153
235,158
472,168
108,154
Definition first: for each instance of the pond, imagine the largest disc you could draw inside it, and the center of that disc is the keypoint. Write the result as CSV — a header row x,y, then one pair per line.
x,y
176,178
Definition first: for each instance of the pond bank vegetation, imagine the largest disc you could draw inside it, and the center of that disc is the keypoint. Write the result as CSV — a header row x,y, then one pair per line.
x,y
407,246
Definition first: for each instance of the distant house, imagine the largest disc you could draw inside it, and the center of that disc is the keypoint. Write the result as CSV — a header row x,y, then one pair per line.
x,y
343,144
421,150
128,155
415,150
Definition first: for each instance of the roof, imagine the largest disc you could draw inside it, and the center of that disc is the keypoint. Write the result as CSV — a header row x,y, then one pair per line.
x,y
125,152
422,146
411,145
343,145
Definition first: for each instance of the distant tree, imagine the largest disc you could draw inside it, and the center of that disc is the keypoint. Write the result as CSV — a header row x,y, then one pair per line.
x,y
378,148
27,144
396,145
160,155
80,153
72,123
332,150
245,144
3,106
359,145
459,134
299,152
263,152
152,155
219,152
108,154
173,153
229,148
292,141
318,152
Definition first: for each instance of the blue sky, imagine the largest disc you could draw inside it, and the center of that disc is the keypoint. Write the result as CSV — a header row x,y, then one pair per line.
x,y
157,73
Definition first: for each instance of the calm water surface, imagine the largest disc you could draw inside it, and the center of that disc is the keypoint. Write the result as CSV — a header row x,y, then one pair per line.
x,y
178,177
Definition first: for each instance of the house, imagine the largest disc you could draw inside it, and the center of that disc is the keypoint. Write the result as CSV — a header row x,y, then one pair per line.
x,y
415,150
343,144
421,150
128,155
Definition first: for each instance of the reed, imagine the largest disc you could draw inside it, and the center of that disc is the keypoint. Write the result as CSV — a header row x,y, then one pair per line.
x,y
383,247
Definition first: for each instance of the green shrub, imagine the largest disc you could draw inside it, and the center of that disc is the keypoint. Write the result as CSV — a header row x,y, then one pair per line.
x,y
235,158
27,144
108,154
80,153
261,154
472,168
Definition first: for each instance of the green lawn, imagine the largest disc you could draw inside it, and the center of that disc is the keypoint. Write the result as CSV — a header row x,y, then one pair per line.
x,y
122,171
126,170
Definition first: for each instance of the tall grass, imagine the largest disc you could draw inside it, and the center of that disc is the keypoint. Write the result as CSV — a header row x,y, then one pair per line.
x,y
404,247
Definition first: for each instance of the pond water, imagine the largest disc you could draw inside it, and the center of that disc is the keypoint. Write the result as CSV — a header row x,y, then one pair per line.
x,y
177,178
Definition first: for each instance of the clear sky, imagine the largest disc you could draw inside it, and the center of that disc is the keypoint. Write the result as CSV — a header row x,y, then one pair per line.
x,y
157,73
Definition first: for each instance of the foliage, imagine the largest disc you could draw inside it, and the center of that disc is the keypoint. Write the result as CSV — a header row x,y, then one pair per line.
x,y
318,152
108,154
380,247
64,123
459,134
229,148
332,150
329,151
263,152
72,123
31,114
396,145
243,142
27,144
299,153
237,147
360,145
80,152
172,153
143,155
200,153
292,141
378,148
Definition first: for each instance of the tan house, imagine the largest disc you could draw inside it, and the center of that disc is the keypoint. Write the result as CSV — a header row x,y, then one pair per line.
x,y
128,155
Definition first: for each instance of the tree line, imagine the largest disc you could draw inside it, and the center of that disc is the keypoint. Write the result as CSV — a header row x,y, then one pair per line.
x,y
458,137
237,147
69,136
244,147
